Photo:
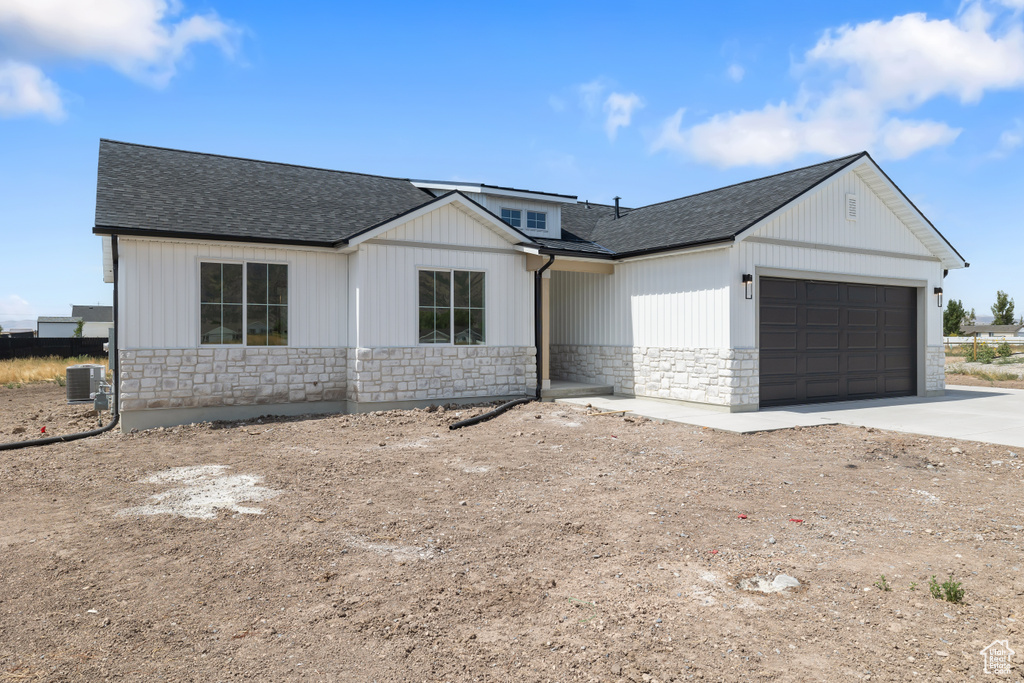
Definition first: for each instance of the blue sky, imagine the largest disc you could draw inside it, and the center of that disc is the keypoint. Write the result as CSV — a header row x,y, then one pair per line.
x,y
644,100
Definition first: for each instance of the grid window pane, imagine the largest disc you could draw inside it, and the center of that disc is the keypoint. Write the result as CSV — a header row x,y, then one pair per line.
x,y
231,322
513,217
461,288
277,324
256,283
536,220
231,277
277,284
476,290
256,326
209,323
442,288
209,283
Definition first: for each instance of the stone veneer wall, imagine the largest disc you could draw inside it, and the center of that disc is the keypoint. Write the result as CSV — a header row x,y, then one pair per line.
x,y
199,378
718,376
935,369
424,373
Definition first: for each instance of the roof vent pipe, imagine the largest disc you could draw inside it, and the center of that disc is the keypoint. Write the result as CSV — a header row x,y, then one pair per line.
x,y
617,206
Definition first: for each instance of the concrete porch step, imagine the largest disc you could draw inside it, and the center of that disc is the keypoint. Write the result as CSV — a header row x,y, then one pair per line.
x,y
565,389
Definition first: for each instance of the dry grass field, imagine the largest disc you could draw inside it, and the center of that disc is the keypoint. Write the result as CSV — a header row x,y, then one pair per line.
x,y
48,369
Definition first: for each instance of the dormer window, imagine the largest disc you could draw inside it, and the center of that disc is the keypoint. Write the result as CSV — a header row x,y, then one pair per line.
x,y
536,220
513,217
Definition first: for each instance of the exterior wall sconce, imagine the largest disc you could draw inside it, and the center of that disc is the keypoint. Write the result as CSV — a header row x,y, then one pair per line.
x,y
938,295
748,286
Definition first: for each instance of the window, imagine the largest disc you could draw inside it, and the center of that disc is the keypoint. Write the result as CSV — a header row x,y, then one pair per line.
x,y
451,307
262,312
535,220
513,217
220,303
266,304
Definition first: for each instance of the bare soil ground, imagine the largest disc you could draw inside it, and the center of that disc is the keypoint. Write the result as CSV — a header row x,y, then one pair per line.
x,y
544,545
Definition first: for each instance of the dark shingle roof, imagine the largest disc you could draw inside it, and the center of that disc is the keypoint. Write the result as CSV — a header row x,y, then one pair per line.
x,y
151,189
93,314
706,217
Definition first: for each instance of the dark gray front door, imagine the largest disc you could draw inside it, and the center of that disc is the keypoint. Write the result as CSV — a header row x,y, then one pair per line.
x,y
835,341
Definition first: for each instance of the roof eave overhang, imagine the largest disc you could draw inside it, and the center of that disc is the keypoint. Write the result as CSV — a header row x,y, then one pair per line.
x,y
106,230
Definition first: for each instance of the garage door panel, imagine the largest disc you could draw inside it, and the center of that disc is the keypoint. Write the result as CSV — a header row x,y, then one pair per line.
x,y
862,362
822,389
778,366
823,316
822,291
772,288
778,315
862,316
862,340
861,386
779,394
832,341
822,340
862,294
822,364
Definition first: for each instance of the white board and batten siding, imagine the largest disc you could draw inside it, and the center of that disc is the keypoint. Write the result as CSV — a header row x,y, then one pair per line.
x,y
877,245
679,301
384,282
552,211
159,291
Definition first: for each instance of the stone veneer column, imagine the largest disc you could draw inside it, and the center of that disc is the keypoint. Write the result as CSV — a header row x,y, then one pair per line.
x,y
935,369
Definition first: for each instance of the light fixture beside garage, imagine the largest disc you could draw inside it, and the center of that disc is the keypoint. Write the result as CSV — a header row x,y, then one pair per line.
x,y
748,285
938,295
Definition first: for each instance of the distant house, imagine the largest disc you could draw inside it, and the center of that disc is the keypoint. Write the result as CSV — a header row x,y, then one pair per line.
x,y
98,319
57,326
991,330
19,333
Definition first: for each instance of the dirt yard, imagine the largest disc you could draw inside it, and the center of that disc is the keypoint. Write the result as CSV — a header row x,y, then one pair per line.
x,y
545,545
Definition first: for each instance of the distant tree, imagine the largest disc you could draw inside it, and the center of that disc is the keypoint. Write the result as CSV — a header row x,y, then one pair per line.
x,y
953,318
1002,309
1,329
970,318
78,329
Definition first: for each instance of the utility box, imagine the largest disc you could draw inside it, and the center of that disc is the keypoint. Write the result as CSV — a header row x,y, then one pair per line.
x,y
83,381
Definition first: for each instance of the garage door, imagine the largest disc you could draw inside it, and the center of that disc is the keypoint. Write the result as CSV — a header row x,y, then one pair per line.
x,y
836,341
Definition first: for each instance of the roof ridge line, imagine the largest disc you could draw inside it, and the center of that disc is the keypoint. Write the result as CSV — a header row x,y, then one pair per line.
x,y
257,161
754,180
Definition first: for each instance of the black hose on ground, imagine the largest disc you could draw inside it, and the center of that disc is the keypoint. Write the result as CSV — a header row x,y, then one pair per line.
x,y
492,413
59,439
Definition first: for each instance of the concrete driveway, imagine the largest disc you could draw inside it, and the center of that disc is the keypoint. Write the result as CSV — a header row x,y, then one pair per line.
x,y
972,413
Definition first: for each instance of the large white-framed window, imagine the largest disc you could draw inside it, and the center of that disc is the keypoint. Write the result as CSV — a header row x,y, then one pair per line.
x,y
513,217
243,303
451,307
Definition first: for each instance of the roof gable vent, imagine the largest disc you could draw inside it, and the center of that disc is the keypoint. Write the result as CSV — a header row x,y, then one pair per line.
x,y
851,206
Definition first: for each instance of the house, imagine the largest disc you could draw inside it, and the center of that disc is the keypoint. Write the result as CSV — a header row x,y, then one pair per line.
x,y
98,319
56,326
247,287
991,330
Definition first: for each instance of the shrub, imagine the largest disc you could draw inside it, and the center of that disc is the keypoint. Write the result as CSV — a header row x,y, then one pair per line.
x,y
949,590
1004,349
986,354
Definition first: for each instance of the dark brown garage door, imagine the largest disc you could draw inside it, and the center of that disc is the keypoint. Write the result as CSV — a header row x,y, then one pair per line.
x,y
835,341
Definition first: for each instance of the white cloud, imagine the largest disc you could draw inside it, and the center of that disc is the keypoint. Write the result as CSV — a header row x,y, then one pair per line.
x,y
619,109
143,39
874,70
1010,140
590,94
735,72
13,305
24,90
